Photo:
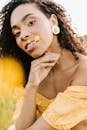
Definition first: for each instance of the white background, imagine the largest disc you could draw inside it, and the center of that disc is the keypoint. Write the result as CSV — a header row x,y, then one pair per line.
x,y
77,10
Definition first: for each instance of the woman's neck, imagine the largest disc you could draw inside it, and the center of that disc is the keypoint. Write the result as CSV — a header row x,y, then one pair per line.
x,y
54,47
66,59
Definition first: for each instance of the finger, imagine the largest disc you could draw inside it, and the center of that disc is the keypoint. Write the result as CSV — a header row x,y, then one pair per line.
x,y
43,65
49,55
45,59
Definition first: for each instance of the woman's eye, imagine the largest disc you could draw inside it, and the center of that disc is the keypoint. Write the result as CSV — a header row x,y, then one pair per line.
x,y
17,34
31,23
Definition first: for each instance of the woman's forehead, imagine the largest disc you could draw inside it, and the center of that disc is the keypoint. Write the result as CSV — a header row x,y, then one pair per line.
x,y
22,10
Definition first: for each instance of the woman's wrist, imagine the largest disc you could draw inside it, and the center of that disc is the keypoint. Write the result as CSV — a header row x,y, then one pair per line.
x,y
31,86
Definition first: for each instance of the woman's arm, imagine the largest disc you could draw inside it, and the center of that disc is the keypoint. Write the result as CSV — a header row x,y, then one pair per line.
x,y
40,124
28,112
38,72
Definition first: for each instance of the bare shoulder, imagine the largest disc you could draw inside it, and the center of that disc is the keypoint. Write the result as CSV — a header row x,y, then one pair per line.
x,y
82,62
80,76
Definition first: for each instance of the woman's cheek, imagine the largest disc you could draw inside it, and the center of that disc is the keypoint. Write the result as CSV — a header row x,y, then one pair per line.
x,y
18,41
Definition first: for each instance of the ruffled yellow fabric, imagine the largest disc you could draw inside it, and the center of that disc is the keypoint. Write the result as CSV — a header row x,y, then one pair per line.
x,y
68,109
64,112
41,104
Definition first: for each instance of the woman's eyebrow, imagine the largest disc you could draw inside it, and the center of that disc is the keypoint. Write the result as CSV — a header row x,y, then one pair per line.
x,y
23,19
14,27
27,15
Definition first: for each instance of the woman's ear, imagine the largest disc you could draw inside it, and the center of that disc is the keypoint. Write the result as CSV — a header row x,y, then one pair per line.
x,y
53,19
54,24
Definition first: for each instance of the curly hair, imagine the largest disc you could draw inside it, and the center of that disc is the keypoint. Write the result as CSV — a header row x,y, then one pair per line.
x,y
67,38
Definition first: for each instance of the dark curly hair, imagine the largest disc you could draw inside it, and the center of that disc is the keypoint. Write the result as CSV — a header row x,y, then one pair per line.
x,y
67,38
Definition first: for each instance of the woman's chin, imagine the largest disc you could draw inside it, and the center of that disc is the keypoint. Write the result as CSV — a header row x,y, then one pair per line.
x,y
37,55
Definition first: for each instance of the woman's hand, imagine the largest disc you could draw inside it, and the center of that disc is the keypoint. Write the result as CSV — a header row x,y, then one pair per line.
x,y
41,67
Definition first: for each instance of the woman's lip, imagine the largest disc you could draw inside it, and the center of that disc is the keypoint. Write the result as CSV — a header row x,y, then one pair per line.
x,y
30,47
26,44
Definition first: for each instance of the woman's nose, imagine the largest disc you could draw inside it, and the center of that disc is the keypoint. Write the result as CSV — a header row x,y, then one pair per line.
x,y
25,34
24,38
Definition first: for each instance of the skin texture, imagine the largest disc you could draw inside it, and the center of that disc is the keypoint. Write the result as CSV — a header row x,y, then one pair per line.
x,y
50,61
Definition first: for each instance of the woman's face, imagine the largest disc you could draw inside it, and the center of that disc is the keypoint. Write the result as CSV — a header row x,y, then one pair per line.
x,y
32,29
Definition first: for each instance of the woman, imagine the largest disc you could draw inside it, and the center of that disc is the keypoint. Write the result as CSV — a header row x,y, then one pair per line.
x,y
52,54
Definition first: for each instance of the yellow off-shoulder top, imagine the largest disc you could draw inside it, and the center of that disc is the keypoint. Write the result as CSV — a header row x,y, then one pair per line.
x,y
66,111
42,104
